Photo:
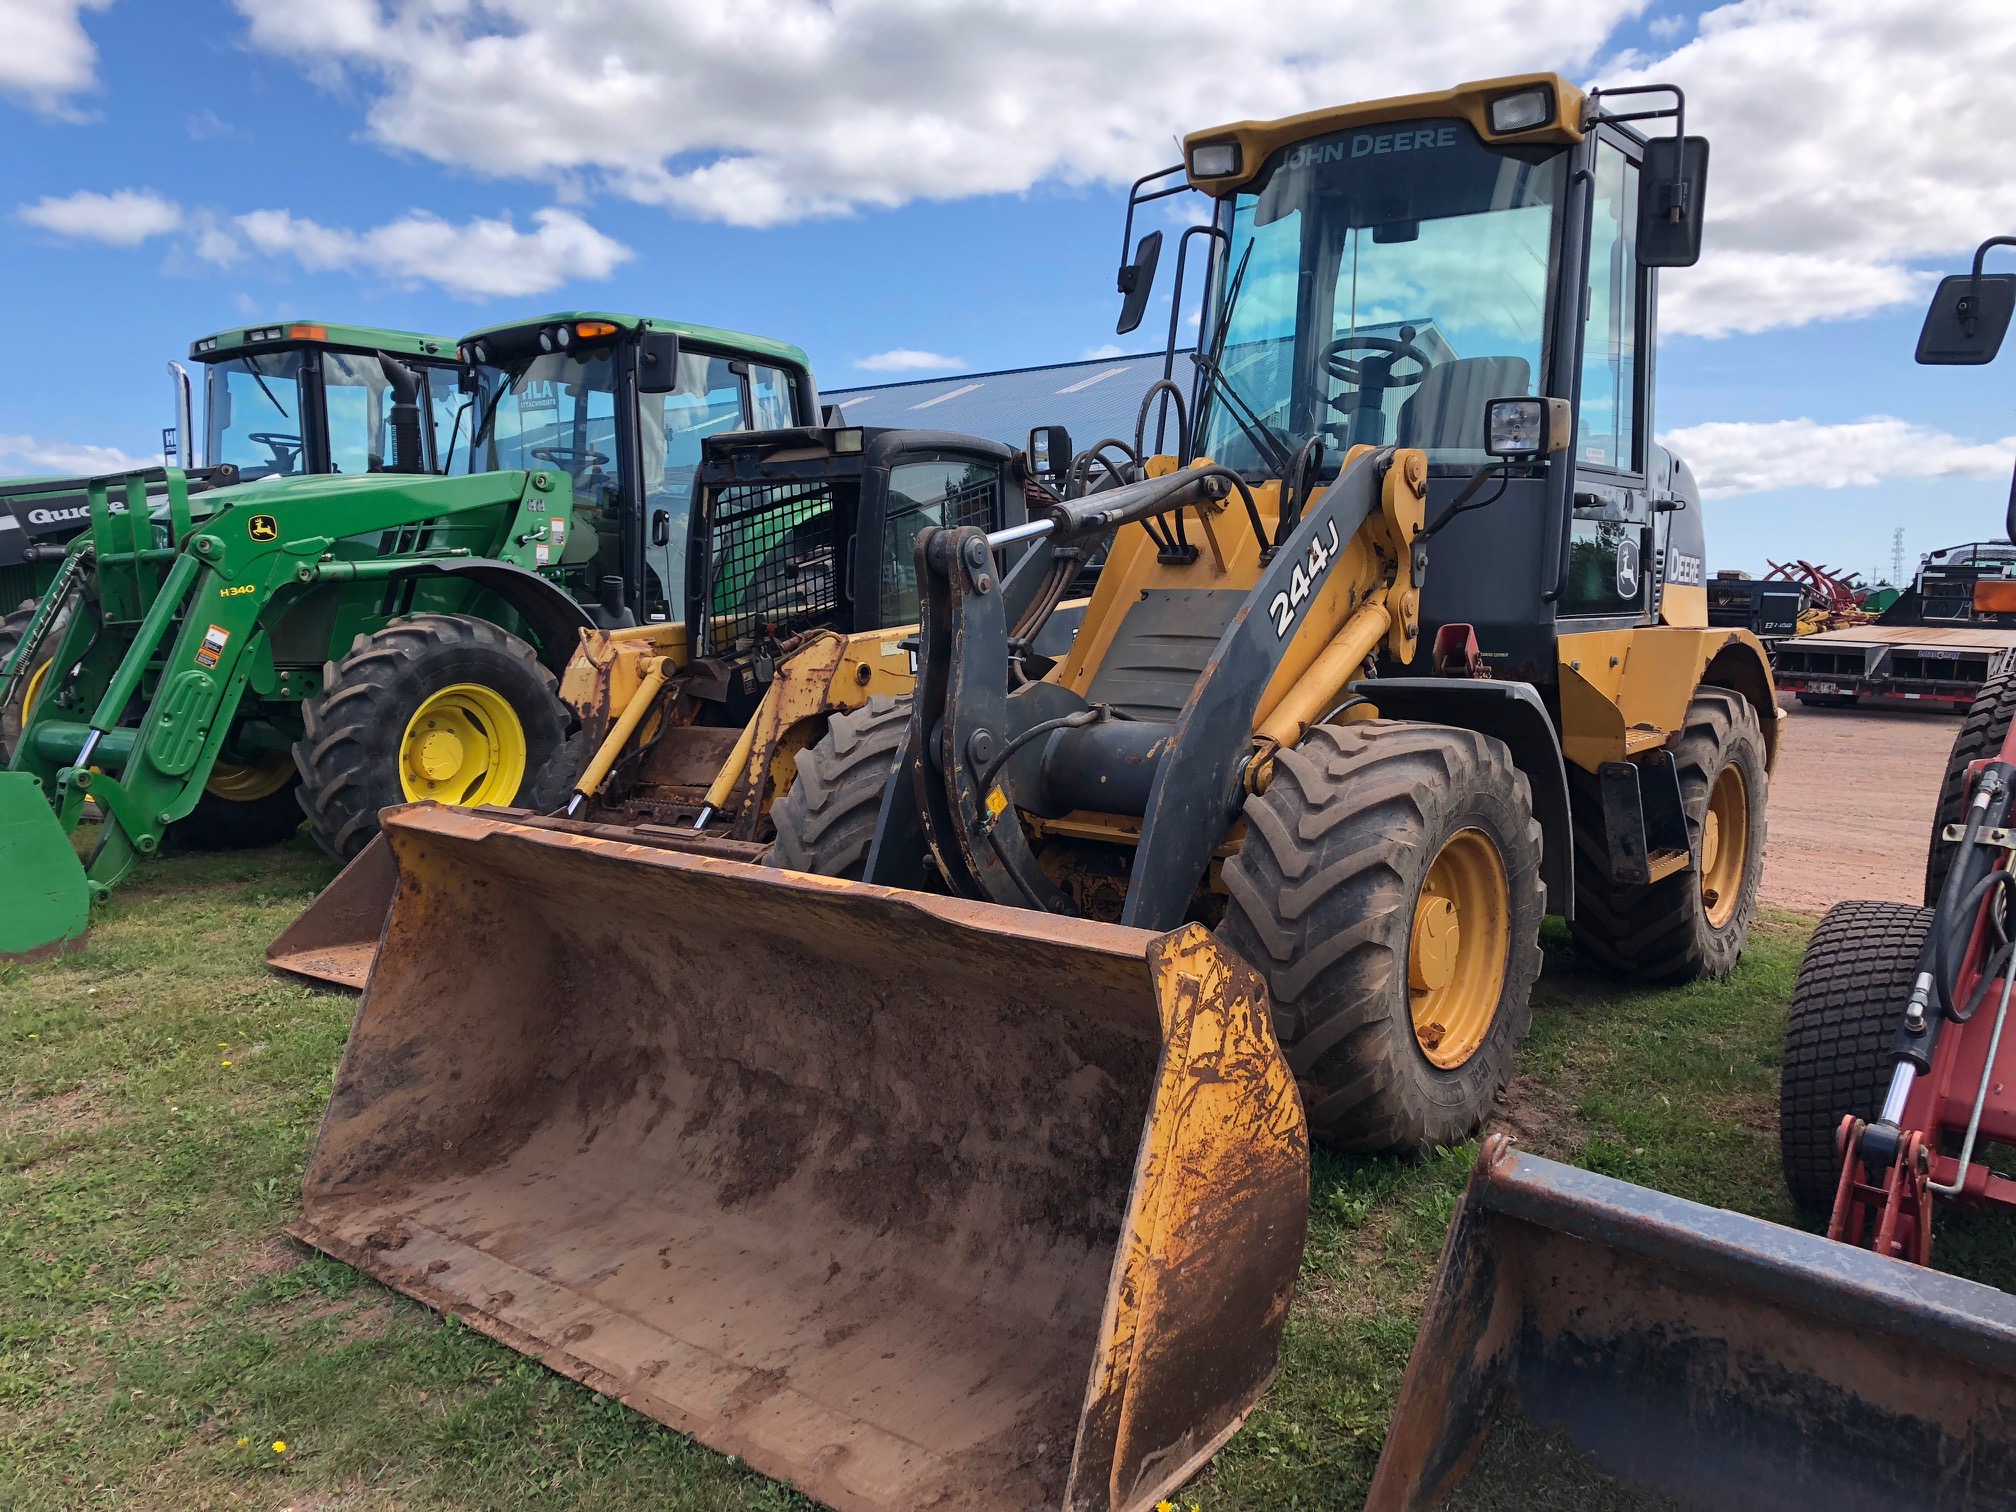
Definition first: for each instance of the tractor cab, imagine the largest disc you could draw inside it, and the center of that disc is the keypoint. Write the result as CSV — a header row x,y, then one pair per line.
x,y
285,400
620,406
1378,273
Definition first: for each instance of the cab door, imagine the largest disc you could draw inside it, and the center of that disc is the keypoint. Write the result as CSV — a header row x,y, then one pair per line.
x,y
1610,549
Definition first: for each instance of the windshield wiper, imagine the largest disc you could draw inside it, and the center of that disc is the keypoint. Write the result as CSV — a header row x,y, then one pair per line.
x,y
1256,430
252,367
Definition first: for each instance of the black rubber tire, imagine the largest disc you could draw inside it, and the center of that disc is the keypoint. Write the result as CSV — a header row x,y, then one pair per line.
x,y
223,824
1661,933
12,628
1322,900
1852,987
349,755
1980,736
826,819
552,786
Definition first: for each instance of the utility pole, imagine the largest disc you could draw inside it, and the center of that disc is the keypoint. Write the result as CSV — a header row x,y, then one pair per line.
x,y
1897,558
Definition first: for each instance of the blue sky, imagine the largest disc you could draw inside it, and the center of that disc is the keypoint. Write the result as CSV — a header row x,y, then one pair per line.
x,y
893,199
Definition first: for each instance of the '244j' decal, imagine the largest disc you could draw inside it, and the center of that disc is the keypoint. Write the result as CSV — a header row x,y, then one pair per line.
x,y
1308,573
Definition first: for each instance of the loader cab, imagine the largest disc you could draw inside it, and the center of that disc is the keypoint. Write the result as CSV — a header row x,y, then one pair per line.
x,y
1380,272
815,527
623,407
286,400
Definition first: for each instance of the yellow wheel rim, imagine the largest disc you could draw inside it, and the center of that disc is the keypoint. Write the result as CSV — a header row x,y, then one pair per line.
x,y
248,784
1725,846
463,746
1457,950
34,689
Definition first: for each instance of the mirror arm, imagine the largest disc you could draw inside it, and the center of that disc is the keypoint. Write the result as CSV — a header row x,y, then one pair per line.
x,y
1462,504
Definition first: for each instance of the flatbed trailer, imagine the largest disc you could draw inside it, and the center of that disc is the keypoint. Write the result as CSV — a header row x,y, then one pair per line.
x,y
1940,666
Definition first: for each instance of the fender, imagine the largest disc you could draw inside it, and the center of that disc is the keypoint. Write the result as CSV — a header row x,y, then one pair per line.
x,y
554,618
1511,712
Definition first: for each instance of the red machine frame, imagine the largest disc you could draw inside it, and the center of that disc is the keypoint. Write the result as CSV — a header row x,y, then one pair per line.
x,y
1940,1107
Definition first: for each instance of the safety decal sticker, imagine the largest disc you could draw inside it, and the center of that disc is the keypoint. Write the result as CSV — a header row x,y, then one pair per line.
x,y
542,554
558,530
215,639
263,528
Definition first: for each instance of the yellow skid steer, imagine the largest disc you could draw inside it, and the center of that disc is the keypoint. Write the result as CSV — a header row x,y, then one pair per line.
x,y
956,1157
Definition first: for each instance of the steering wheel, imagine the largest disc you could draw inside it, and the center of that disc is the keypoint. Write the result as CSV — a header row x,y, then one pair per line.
x,y
569,457
284,448
1378,369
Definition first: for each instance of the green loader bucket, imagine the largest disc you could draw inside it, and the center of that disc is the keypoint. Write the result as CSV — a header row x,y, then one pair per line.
x,y
45,903
912,1201
1707,1357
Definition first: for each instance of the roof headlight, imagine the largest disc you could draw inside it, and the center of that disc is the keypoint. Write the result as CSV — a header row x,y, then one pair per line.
x,y
545,341
1214,160
846,442
1514,113
561,336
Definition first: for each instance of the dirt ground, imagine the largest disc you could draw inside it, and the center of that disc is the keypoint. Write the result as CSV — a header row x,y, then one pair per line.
x,y
1851,805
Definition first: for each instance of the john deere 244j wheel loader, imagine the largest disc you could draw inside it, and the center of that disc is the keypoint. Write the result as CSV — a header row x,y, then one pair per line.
x,y
982,1182
224,662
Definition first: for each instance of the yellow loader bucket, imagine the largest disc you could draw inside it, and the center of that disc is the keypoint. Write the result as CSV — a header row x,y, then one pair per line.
x,y
911,1201
336,937
1702,1355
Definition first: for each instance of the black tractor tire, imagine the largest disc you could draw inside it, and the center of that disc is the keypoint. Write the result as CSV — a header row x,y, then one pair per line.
x,y
218,823
1662,932
1323,901
826,819
1851,990
552,786
12,628
349,755
1980,736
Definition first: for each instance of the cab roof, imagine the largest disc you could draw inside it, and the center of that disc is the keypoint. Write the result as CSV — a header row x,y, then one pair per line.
x,y
711,336
1259,140
284,333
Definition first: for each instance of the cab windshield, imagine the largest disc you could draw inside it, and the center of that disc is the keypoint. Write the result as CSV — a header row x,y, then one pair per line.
x,y
253,408
1379,287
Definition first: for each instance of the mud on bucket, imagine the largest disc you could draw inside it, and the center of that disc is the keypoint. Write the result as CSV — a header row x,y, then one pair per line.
x,y
911,1201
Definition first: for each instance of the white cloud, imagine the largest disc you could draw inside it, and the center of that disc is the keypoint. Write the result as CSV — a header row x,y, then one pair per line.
x,y
1739,457
123,218
757,112
907,360
1858,144
476,259
47,57
1853,141
30,455
1103,350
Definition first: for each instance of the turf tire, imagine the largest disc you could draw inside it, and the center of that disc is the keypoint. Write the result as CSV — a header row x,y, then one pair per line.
x,y
1852,985
1980,736
826,819
349,755
552,786
12,628
1661,932
1322,900
223,824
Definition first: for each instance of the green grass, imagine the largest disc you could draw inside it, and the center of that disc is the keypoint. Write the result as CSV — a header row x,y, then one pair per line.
x,y
159,1091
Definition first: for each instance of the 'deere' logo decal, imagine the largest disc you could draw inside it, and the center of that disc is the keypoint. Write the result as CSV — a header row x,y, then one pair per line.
x,y
264,528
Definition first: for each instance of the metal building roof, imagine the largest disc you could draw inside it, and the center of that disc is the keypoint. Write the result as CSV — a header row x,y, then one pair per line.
x,y
1093,399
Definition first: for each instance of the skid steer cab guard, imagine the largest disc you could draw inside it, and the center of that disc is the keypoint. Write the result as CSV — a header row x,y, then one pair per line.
x,y
1016,1225
1700,1354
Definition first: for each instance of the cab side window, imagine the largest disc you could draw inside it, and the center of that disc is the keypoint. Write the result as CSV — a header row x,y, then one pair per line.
x,y
769,398
1608,428
707,401
948,492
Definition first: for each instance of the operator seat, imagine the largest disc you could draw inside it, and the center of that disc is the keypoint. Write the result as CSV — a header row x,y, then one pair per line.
x,y
1446,409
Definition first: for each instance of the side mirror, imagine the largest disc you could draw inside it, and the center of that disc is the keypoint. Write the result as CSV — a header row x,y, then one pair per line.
x,y
1137,280
1968,319
1525,429
657,362
466,380
1672,187
1049,451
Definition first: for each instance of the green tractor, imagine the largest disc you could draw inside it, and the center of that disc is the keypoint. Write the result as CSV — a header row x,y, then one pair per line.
x,y
212,665
279,400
